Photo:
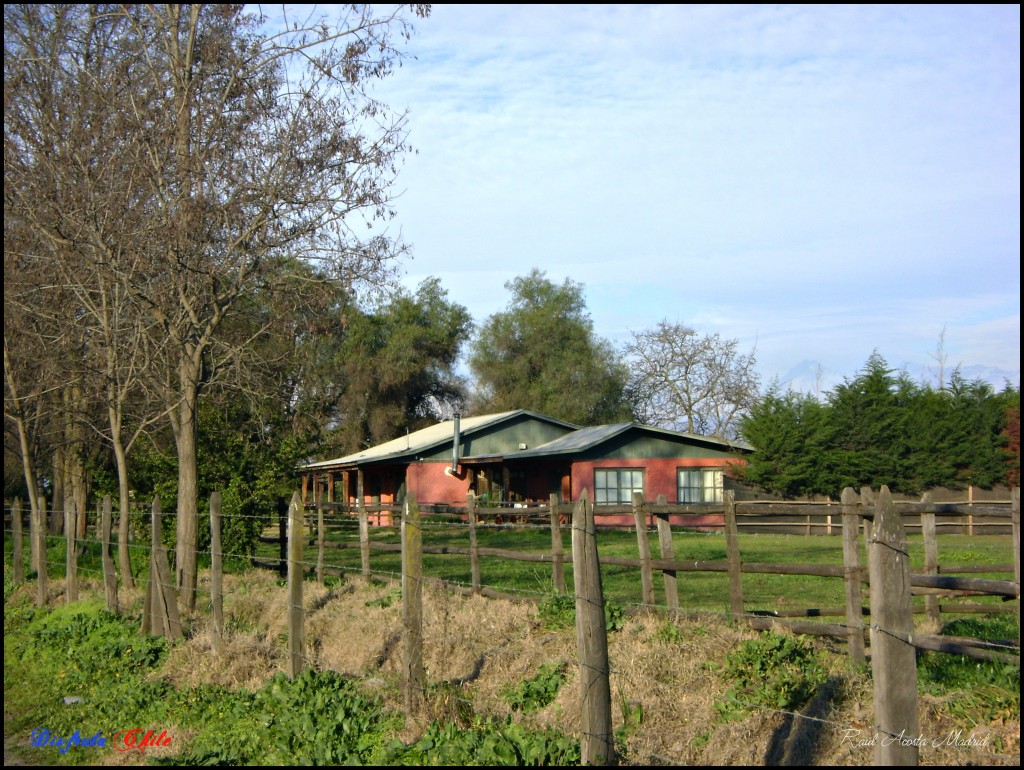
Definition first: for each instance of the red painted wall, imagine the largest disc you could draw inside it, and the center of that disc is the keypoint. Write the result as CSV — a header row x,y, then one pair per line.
x,y
430,484
659,479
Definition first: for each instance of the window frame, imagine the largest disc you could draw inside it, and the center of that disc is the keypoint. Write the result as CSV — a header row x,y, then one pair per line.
x,y
601,490
716,488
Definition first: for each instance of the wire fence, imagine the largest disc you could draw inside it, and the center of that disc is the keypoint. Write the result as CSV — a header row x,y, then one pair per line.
x,y
318,533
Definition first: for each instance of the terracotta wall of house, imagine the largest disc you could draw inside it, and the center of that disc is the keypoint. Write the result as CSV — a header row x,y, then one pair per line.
x,y
430,484
659,476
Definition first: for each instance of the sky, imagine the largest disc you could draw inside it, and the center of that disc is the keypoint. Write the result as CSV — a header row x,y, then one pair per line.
x,y
816,182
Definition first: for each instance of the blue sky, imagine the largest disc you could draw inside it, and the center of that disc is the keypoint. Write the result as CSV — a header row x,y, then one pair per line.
x,y
816,181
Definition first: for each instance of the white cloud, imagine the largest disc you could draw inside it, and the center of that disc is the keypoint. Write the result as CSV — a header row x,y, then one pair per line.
x,y
825,180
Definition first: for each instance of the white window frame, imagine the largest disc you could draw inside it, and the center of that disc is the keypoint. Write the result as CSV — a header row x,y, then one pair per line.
x,y
700,485
615,486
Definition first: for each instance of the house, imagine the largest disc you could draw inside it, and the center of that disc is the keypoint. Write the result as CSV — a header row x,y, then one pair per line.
x,y
521,456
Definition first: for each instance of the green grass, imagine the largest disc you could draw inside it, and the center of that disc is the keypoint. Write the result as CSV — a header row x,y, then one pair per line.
x,y
697,590
708,591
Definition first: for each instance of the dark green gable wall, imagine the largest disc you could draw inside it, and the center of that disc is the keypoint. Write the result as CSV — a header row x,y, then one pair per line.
x,y
503,439
641,447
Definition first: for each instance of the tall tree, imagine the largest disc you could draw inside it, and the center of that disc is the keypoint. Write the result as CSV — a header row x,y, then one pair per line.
x,y
786,429
237,151
686,381
881,427
399,365
542,354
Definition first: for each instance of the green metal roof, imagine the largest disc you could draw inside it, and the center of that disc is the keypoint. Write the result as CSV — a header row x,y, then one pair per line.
x,y
586,439
427,439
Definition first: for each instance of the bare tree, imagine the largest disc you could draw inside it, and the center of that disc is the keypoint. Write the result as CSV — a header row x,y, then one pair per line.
x,y
685,381
234,152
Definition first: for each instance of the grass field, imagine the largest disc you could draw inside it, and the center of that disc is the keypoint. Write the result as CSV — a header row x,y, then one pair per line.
x,y
697,590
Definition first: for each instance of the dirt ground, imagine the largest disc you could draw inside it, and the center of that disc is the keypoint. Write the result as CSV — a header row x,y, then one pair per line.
x,y
476,647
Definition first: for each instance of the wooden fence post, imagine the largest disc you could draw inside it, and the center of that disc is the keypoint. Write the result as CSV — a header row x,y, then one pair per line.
x,y
732,551
1015,526
646,576
667,553
474,548
321,536
893,657
40,532
296,613
852,576
412,605
161,603
109,573
18,552
71,552
364,534
867,502
596,742
216,576
283,511
557,554
931,559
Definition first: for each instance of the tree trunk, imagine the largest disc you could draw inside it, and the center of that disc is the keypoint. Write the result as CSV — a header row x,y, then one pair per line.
x,y
188,493
124,505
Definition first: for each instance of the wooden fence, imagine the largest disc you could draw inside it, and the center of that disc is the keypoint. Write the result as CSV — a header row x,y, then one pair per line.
x,y
871,519
866,520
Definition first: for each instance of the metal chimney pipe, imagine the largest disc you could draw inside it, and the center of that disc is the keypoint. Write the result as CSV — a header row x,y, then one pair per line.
x,y
455,444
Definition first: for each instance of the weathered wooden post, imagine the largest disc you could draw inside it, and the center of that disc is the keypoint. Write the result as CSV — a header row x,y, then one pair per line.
x,y
412,605
39,527
557,554
668,554
646,575
71,552
321,536
18,557
474,548
852,577
296,612
160,613
596,742
732,551
867,502
1015,527
893,657
931,559
216,576
107,556
364,533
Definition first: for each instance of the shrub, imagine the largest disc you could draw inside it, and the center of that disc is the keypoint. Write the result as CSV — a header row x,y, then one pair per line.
x,y
774,671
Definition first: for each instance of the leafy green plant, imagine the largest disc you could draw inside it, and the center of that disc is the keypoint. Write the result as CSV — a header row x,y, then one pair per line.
x,y
668,632
558,611
773,671
632,718
319,718
536,693
486,742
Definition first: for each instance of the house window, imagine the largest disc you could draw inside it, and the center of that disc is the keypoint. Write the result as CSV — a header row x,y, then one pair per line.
x,y
699,485
615,486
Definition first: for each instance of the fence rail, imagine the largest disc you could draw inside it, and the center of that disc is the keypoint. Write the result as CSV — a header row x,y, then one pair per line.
x,y
869,522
